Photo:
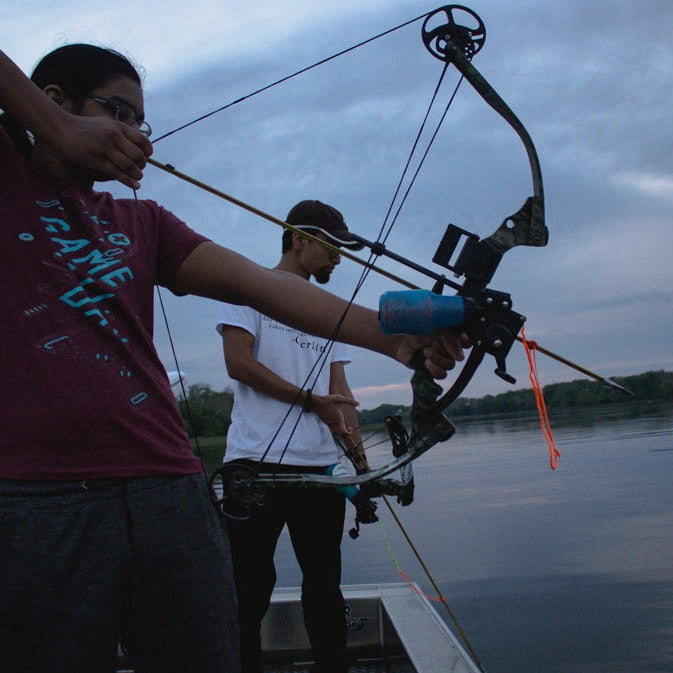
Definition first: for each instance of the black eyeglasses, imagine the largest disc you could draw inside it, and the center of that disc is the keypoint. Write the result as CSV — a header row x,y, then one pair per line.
x,y
123,112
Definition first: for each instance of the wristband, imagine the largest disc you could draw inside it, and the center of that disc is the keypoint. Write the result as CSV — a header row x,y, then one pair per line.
x,y
308,402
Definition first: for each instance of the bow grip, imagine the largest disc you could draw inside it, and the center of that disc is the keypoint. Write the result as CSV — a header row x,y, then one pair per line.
x,y
420,312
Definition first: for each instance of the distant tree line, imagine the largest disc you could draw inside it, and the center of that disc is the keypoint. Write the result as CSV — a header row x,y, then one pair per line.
x,y
207,413
211,411
654,385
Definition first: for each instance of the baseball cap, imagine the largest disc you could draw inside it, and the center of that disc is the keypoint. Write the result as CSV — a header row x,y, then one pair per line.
x,y
329,221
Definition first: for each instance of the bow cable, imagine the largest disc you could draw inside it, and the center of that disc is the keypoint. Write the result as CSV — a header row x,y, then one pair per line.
x,y
288,77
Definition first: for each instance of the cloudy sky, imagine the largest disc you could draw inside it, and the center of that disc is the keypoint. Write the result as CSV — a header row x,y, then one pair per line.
x,y
591,81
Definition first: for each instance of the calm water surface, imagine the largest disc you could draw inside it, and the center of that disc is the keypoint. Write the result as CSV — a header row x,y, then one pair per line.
x,y
565,571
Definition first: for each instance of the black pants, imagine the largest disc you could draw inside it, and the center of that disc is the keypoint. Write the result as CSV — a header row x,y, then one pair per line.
x,y
315,519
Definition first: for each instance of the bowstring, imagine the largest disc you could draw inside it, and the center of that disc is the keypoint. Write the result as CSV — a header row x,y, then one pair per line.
x,y
381,238
371,260
423,158
288,77
330,341
164,314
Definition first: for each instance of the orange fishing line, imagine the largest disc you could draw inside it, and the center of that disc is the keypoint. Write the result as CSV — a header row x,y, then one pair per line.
x,y
530,348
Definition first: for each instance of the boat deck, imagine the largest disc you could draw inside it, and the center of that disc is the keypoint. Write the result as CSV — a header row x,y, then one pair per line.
x,y
394,665
391,629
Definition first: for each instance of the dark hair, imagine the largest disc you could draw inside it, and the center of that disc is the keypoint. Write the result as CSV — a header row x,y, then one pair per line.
x,y
286,241
78,69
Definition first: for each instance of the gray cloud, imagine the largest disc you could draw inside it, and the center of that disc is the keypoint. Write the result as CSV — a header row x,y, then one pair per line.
x,y
591,82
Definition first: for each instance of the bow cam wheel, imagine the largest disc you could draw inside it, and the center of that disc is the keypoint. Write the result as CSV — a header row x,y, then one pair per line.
x,y
440,28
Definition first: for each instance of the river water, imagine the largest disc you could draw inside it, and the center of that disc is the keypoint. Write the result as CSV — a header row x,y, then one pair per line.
x,y
565,571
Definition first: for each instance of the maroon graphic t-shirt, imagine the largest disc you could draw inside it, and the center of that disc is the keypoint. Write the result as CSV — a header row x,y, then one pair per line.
x,y
83,393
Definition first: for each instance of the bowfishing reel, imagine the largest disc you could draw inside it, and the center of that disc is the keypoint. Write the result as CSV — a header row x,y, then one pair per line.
x,y
234,492
238,495
485,315
365,512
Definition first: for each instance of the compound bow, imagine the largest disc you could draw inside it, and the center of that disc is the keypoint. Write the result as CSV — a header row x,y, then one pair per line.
x,y
489,320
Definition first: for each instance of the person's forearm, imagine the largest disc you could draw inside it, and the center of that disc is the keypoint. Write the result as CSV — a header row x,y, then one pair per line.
x,y
339,386
219,273
259,377
24,102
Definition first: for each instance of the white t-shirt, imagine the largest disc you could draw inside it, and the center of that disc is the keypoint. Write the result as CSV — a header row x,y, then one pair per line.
x,y
256,417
